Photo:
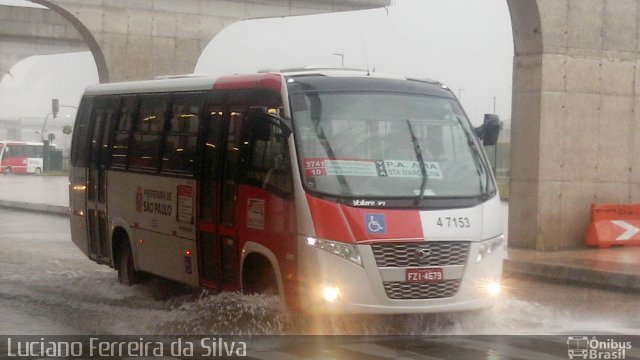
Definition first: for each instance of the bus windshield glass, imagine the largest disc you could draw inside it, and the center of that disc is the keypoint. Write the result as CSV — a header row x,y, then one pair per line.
x,y
357,144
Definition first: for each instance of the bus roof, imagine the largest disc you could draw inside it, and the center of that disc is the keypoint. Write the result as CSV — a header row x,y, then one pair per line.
x,y
158,85
272,80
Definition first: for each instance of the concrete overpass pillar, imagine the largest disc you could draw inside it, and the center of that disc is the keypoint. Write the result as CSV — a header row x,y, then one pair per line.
x,y
134,40
575,93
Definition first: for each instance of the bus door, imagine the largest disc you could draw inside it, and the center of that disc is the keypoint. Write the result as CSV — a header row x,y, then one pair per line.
x,y
78,176
102,119
217,226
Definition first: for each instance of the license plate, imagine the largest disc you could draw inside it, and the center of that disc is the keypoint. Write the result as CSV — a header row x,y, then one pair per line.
x,y
429,275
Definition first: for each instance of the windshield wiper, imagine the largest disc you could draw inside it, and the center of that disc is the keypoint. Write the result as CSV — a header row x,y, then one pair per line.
x,y
478,160
316,111
324,142
423,169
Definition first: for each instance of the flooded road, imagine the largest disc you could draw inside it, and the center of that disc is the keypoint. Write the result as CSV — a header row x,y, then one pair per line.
x,y
47,286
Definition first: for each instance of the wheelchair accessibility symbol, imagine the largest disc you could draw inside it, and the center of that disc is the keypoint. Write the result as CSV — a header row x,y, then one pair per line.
x,y
375,224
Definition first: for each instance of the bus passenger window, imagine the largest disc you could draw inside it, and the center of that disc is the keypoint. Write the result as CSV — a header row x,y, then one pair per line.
x,y
213,128
120,147
269,166
228,199
180,143
16,150
147,136
80,139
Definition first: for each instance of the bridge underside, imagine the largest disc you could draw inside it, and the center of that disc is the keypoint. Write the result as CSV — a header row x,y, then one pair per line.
x,y
141,40
26,32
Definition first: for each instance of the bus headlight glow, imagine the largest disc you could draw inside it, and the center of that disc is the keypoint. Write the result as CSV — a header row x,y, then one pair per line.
x,y
345,251
489,246
493,288
330,293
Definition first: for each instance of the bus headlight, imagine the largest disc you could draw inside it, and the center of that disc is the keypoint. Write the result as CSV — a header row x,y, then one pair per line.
x,y
330,293
345,251
493,288
489,246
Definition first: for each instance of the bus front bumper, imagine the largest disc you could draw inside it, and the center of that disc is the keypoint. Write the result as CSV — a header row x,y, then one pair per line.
x,y
331,284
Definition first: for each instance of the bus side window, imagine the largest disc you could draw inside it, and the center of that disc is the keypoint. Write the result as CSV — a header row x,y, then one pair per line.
x,y
147,136
30,151
228,198
110,113
79,151
268,166
120,147
179,150
17,150
211,157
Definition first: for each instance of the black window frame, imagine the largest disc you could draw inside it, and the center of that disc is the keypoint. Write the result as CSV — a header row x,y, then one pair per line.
x,y
266,173
103,105
81,130
121,138
146,151
192,134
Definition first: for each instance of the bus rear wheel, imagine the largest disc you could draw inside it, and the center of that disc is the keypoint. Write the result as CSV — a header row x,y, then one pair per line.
x,y
127,273
7,171
38,171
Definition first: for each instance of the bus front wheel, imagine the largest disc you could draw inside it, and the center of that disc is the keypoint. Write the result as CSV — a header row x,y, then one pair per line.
x,y
258,276
7,171
38,171
127,273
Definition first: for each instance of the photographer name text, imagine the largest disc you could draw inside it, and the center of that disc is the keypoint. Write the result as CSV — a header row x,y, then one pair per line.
x,y
140,347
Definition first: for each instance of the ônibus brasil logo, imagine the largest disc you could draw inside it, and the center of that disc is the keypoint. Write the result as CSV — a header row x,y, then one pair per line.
x,y
581,347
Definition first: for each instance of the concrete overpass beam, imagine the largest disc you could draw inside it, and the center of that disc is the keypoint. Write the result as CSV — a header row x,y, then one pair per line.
x,y
143,39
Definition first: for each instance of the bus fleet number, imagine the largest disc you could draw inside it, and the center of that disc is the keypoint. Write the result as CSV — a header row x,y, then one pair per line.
x,y
454,222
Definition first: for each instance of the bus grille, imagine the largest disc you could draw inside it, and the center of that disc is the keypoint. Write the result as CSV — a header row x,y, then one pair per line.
x,y
436,253
415,291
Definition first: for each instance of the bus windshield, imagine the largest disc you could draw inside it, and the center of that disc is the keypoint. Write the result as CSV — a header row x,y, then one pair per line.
x,y
356,144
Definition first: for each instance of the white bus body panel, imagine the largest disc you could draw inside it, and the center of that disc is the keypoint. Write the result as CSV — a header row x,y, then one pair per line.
x,y
33,164
160,213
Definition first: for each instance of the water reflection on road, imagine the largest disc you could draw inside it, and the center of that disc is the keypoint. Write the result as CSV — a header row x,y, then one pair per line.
x,y
50,287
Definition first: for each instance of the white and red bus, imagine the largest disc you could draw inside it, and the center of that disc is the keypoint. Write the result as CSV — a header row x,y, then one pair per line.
x,y
339,190
19,157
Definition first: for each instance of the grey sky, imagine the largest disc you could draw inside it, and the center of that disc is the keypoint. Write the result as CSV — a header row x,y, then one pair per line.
x,y
466,44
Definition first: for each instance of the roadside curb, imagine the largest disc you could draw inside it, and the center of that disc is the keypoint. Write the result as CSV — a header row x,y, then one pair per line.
x,y
43,208
573,274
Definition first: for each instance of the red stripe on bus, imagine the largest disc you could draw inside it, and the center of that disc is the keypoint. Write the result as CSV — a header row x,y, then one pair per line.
x,y
254,81
348,224
329,220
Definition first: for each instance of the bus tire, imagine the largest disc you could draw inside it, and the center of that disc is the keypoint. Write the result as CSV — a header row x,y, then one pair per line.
x,y
258,276
38,171
127,273
8,171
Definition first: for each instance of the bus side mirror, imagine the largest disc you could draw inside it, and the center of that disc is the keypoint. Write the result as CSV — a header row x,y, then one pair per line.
x,y
261,122
489,131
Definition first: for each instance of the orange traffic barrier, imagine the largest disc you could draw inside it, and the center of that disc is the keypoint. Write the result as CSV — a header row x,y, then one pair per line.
x,y
613,225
